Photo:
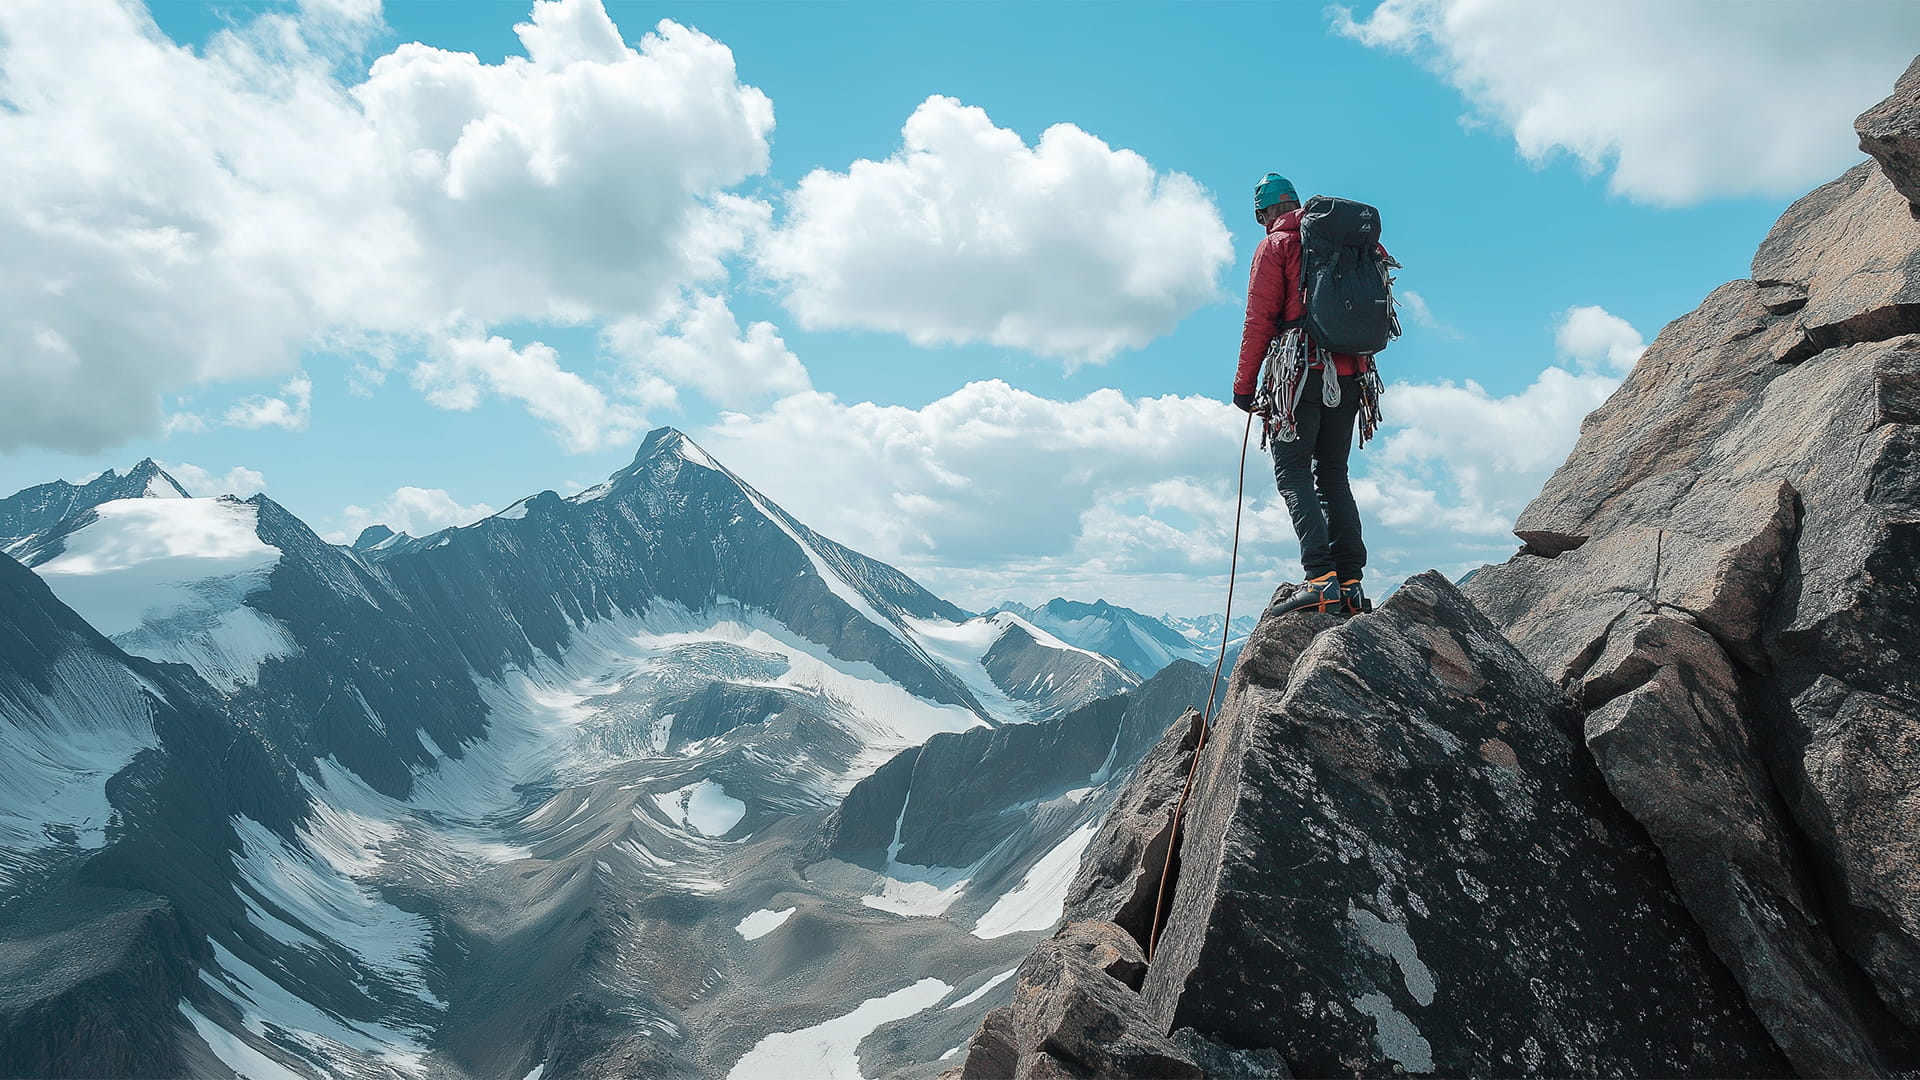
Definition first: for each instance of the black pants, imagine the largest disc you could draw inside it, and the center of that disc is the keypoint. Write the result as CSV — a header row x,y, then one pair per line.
x,y
1311,473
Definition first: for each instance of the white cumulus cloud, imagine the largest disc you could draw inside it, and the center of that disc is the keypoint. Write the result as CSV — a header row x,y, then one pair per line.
x,y
701,345
291,410
459,370
1068,248
1461,457
993,492
1595,338
413,510
1679,100
988,472
175,219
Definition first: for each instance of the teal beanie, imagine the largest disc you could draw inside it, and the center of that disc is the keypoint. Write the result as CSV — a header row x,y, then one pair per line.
x,y
1271,189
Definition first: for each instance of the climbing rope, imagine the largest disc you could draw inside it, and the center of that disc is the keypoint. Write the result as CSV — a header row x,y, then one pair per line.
x,y
1206,718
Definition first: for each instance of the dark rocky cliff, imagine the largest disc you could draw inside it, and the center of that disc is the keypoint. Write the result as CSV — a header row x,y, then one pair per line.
x,y
1646,805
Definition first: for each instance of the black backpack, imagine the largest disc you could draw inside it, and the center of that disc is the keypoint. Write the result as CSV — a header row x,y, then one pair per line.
x,y
1344,278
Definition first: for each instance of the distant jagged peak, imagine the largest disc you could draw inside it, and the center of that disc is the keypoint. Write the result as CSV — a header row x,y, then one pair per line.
x,y
155,482
373,536
33,513
145,480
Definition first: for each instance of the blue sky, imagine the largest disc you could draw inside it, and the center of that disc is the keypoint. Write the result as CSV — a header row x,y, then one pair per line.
x,y
259,282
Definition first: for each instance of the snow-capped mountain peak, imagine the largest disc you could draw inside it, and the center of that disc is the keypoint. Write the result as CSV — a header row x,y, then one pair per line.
x,y
30,513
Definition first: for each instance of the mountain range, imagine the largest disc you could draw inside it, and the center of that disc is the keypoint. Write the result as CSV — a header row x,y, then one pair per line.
x,y
649,779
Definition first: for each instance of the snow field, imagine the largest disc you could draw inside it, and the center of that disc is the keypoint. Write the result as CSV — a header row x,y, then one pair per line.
x,y
274,1015
1036,903
166,579
828,1051
916,891
961,647
1050,641
985,989
314,884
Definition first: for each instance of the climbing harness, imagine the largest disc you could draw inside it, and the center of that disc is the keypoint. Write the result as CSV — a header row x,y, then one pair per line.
x,y
1283,384
1206,718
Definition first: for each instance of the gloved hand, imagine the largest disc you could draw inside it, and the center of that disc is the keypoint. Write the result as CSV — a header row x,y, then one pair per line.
x,y
1243,402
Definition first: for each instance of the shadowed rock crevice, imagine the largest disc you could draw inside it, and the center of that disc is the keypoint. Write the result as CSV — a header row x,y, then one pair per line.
x,y
1120,874
1880,324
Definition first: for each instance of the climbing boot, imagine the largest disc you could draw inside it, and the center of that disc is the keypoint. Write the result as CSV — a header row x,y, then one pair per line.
x,y
1320,594
1352,600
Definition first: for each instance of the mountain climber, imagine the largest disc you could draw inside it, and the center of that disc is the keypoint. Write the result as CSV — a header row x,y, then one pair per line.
x,y
1310,456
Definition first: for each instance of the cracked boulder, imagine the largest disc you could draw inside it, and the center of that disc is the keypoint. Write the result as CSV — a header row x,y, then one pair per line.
x,y
1120,872
1402,860
1680,757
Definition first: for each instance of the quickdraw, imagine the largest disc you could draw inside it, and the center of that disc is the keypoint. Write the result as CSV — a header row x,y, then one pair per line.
x,y
1370,391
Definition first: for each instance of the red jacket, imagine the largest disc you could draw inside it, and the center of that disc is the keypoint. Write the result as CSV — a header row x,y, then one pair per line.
x,y
1274,299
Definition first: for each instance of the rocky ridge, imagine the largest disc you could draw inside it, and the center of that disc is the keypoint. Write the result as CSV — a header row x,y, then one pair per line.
x,y
1644,805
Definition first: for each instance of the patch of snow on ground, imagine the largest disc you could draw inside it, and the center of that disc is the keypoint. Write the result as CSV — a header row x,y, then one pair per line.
x,y
166,579
58,750
158,488
926,896
545,723
689,452
884,715
763,922
1036,903
838,585
828,1051
985,989
704,807
1156,652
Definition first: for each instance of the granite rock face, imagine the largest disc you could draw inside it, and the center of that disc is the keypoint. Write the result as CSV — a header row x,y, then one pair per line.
x,y
1403,860
1725,572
